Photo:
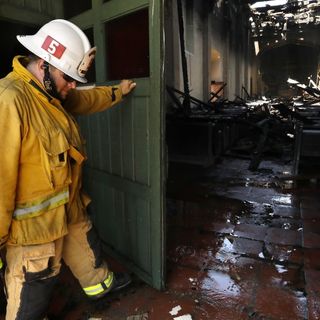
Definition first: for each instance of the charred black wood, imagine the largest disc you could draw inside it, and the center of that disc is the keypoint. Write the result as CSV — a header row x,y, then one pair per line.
x,y
173,92
186,98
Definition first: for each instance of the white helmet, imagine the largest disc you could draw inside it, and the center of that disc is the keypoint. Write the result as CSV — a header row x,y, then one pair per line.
x,y
63,45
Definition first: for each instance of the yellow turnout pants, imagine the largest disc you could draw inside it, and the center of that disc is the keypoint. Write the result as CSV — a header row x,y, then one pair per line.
x,y
32,271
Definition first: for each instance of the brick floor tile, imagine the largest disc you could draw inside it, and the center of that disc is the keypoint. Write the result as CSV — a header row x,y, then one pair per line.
x,y
313,307
219,227
283,236
246,246
286,211
284,253
312,258
310,213
279,275
311,202
312,278
311,240
311,226
183,279
250,231
280,304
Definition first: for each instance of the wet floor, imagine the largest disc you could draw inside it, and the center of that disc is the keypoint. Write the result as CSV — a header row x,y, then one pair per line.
x,y
236,244
240,245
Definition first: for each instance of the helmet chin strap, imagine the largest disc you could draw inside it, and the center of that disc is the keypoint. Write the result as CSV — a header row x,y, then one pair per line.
x,y
48,82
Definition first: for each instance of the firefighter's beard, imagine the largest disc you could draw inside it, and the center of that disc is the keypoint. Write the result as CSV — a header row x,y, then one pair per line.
x,y
50,84
51,88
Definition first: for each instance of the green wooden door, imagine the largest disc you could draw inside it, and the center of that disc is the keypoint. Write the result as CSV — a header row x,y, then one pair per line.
x,y
124,172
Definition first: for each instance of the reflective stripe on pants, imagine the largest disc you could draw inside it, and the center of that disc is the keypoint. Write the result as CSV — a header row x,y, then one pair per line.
x,y
101,287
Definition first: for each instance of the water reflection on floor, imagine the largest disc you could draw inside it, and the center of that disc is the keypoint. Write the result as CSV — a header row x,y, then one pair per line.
x,y
241,234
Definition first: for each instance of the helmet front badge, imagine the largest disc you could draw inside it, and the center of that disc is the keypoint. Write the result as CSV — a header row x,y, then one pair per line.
x,y
53,47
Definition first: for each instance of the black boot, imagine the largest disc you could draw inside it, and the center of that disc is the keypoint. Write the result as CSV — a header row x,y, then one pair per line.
x,y
120,281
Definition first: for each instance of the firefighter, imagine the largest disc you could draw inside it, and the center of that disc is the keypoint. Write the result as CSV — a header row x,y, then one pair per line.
x,y
42,205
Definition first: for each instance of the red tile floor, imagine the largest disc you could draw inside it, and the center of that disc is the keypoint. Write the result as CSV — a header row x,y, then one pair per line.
x,y
240,245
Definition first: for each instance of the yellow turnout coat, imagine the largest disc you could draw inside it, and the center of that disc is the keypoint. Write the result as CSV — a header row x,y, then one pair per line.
x,y
41,156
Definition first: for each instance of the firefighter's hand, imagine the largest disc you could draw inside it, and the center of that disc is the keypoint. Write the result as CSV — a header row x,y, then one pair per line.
x,y
1,264
127,86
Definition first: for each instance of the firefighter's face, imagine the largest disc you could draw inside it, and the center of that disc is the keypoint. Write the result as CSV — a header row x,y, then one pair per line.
x,y
63,83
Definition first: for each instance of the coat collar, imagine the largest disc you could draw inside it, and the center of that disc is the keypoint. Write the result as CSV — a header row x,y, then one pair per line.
x,y
19,64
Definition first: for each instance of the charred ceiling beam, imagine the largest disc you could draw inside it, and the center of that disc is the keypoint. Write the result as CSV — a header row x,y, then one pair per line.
x,y
274,19
186,100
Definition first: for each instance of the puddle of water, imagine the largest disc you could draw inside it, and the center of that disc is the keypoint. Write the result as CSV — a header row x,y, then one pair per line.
x,y
219,282
280,268
226,252
185,251
286,226
282,199
226,246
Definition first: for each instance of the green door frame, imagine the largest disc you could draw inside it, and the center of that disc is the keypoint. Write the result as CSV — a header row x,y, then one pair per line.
x,y
125,172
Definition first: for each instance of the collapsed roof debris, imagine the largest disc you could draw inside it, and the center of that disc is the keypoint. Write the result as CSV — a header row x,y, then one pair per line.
x,y
260,125
277,18
312,90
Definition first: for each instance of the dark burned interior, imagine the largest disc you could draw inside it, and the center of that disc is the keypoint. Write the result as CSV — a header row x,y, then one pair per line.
x,y
281,122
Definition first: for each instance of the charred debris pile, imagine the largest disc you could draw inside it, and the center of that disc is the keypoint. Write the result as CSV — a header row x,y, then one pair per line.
x,y
256,128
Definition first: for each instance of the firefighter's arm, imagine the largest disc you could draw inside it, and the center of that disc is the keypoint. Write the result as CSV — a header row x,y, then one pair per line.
x,y
97,99
10,142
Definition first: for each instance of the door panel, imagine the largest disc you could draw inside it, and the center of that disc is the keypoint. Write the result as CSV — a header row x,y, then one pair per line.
x,y
124,171
128,36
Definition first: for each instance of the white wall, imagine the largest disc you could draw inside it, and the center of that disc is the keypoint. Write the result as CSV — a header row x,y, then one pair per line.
x,y
216,48
230,47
